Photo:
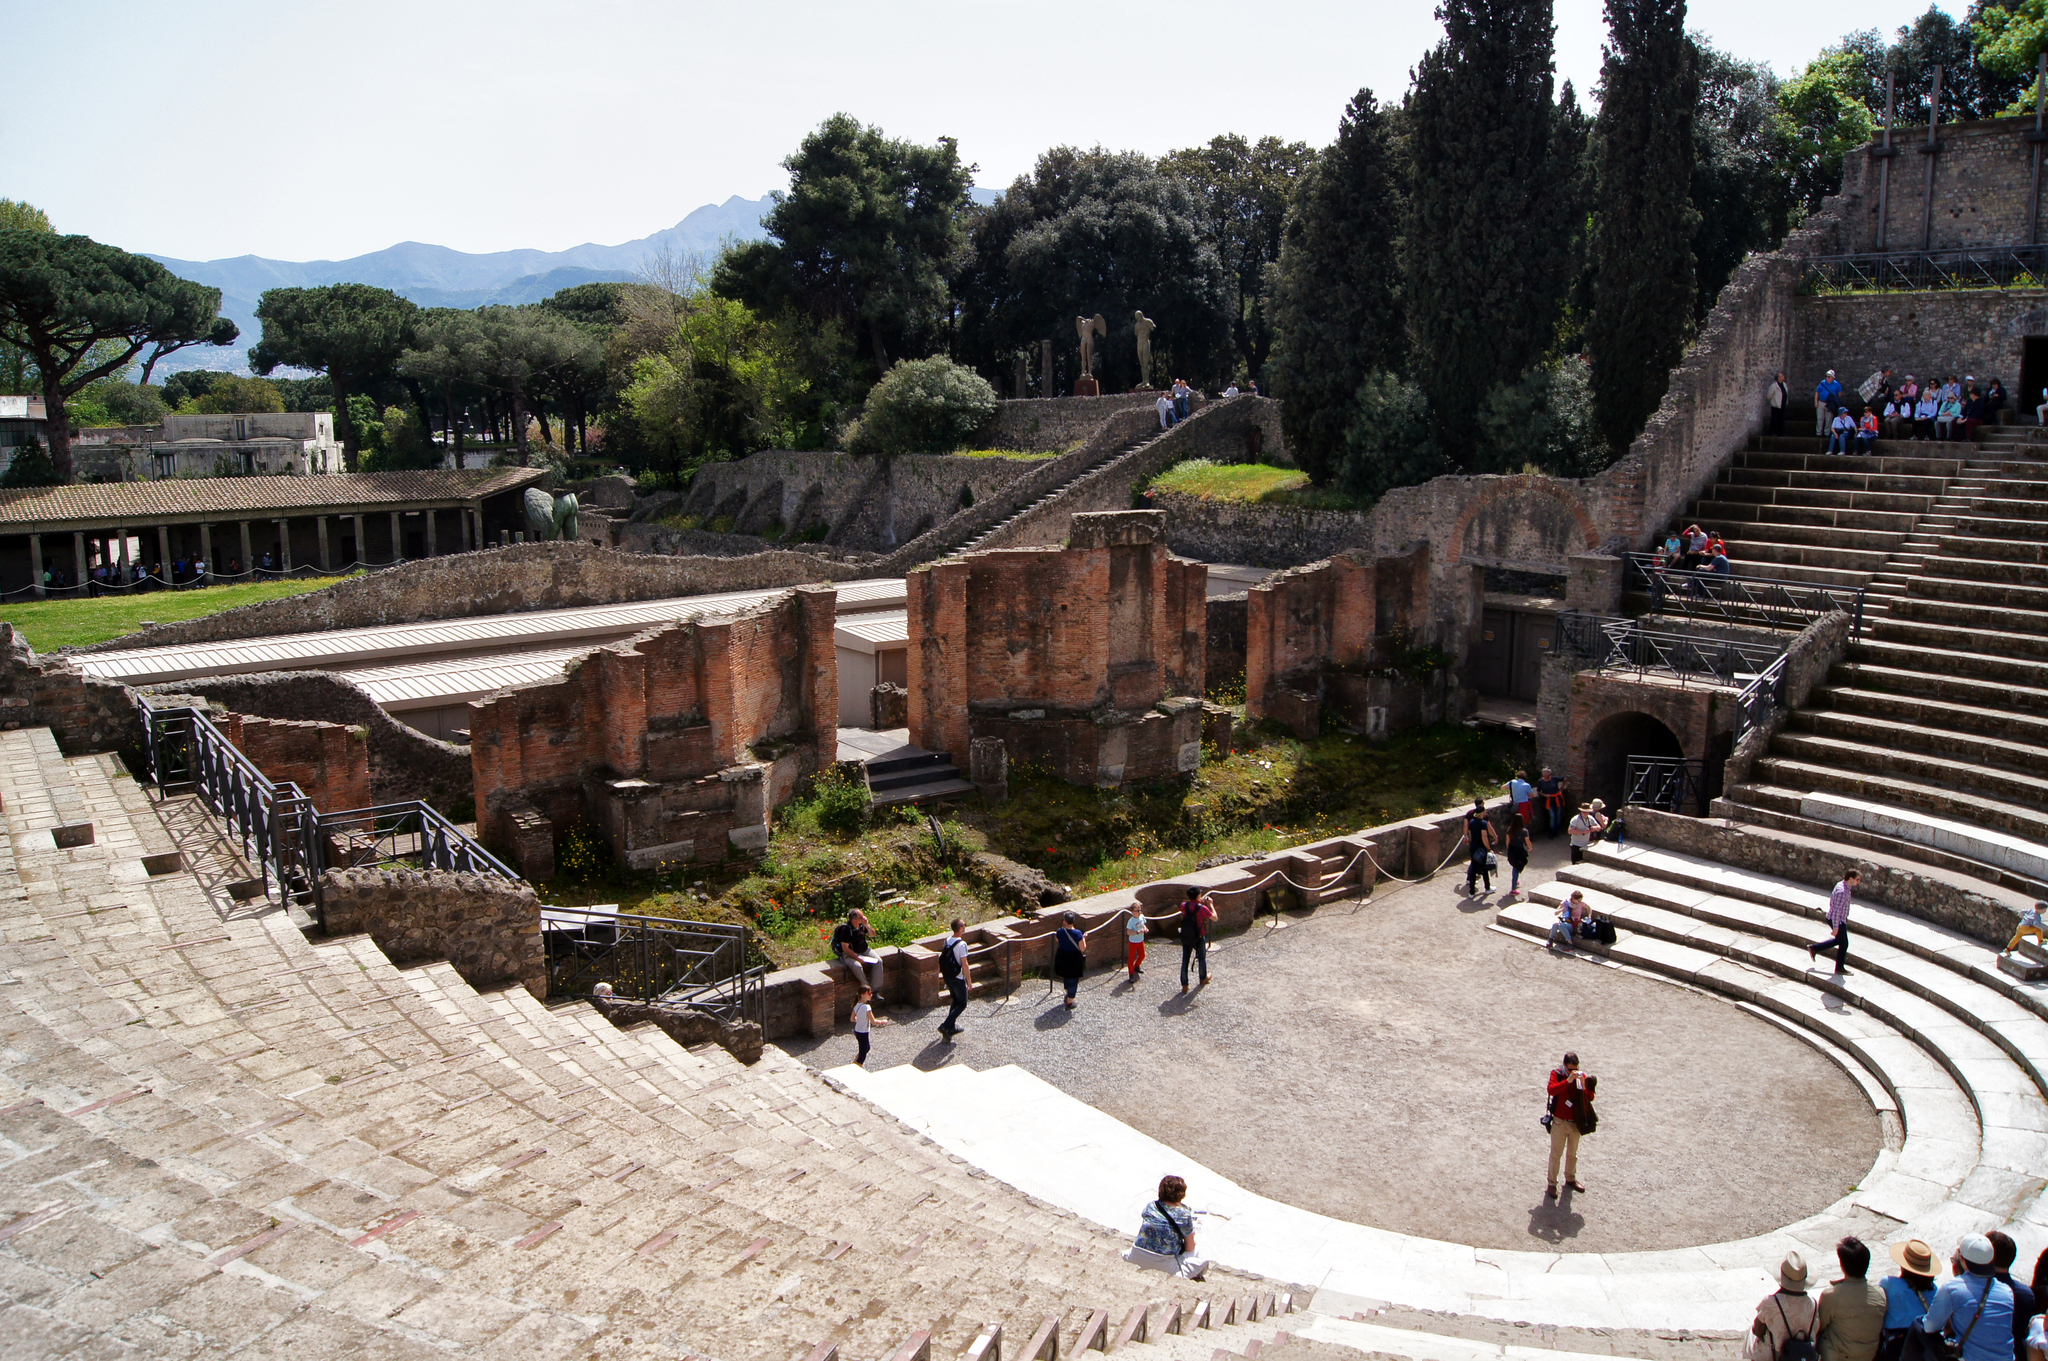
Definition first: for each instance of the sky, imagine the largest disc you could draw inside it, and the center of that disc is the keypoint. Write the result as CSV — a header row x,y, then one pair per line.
x,y
299,130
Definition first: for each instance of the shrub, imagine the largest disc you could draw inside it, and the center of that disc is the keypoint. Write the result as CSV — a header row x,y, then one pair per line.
x,y
31,467
842,801
923,406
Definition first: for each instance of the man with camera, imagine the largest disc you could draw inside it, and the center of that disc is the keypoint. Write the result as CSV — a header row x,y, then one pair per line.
x,y
1570,1115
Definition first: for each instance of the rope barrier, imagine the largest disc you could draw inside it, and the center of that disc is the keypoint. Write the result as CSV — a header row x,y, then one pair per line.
x,y
150,582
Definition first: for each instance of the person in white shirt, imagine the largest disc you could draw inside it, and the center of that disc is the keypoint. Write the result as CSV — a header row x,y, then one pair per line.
x,y
1165,405
1584,828
1135,928
864,1019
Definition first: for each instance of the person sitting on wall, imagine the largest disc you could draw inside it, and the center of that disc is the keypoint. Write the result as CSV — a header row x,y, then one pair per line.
x,y
1949,415
1841,431
1973,413
1898,416
1866,433
1994,402
1924,412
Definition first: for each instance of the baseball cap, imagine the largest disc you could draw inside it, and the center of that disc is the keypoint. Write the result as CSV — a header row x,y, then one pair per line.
x,y
1976,1250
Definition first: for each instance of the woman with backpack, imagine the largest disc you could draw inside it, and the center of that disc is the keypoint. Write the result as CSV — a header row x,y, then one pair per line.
x,y
1070,953
1906,1296
1196,912
1783,1330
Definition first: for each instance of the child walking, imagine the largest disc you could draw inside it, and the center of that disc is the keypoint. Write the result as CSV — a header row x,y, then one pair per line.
x,y
863,1018
1134,943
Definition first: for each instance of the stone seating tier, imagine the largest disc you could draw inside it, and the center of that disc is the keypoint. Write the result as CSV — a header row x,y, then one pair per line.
x,y
245,1133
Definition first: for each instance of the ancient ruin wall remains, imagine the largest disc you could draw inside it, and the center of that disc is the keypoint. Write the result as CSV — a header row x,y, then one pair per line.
x,y
1325,636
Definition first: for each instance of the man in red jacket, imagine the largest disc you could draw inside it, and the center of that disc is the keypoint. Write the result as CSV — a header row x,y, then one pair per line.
x,y
1571,1096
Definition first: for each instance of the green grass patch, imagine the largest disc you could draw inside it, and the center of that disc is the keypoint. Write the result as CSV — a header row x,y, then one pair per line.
x,y
51,624
1251,482
1026,455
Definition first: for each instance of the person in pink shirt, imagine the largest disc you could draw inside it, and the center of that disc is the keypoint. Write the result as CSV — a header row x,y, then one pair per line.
x,y
1838,920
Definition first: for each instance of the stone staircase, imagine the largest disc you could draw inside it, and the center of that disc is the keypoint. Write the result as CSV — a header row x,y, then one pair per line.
x,y
994,534
1952,1050
220,1136
914,778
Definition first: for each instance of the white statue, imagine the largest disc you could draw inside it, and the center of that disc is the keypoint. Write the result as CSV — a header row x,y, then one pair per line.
x,y
1089,328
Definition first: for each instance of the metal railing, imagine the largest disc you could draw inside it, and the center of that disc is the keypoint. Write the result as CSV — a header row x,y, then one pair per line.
x,y
699,965
1676,784
1760,698
1742,599
1916,271
1625,645
277,828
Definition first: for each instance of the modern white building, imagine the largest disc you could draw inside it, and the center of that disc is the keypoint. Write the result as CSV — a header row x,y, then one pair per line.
x,y
244,443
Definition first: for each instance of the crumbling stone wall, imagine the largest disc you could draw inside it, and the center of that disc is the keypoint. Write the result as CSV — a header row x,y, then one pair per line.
x,y
1040,423
530,576
1324,637
405,763
84,713
487,928
1983,177
1255,533
676,743
863,503
329,762
1089,658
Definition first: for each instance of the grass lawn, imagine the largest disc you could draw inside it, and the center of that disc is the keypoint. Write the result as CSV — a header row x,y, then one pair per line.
x,y
51,624
1251,482
1024,455
1280,793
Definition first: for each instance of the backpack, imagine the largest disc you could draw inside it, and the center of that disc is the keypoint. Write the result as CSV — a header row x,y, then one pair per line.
x,y
1798,1346
949,963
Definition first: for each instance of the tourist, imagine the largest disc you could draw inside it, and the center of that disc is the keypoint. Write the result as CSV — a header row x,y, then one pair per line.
x,y
1585,829
1775,397
1974,1305
199,571
1695,541
1825,395
1165,406
2004,1252
1570,1101
1842,432
1950,414
1898,415
1183,398
1518,851
1231,391
1719,565
863,1018
2032,923
1521,793
1866,433
1849,1316
1196,912
1924,412
1906,1296
850,947
1571,913
2037,1339
1785,1314
1166,1234
1479,845
1135,928
2041,411
1994,402
1551,790
1838,921
953,969
1973,413
1069,954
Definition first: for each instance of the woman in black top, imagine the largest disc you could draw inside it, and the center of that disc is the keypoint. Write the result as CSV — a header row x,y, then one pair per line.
x,y
1518,853
1479,840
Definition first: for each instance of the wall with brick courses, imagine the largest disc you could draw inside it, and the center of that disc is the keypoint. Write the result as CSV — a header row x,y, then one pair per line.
x,y
405,763
533,576
1970,331
487,928
1983,177
866,503
329,762
675,743
1307,628
1812,654
1701,717
1113,624
1040,423
85,714
1254,533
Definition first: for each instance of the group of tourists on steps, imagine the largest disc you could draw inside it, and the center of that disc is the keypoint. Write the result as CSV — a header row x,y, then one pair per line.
x,y
1948,408
1981,1313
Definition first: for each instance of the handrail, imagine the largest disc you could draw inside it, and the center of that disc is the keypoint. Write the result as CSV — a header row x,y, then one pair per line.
x,y
1746,599
1760,697
662,960
1924,270
1625,645
1675,783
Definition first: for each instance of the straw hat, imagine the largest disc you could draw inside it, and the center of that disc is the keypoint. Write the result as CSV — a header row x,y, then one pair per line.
x,y
1915,1256
1792,1272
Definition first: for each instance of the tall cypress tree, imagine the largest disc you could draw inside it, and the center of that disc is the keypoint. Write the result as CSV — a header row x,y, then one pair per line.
x,y
1335,299
1488,267
1643,217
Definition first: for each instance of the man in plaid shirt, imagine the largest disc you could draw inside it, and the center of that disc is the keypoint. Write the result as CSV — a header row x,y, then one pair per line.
x,y
1838,919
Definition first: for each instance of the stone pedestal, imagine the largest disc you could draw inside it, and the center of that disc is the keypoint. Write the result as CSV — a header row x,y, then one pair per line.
x,y
1087,387
988,767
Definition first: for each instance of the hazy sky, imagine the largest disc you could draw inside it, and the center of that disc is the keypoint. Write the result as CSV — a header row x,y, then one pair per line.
x,y
301,131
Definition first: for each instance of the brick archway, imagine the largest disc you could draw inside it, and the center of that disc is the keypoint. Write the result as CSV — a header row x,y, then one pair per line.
x,y
1517,488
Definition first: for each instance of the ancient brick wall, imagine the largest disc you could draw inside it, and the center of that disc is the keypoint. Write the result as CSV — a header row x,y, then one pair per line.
x,y
1304,627
1970,331
864,503
487,928
675,743
405,763
1112,624
84,714
1040,423
1983,177
533,576
329,762
1254,533
1701,717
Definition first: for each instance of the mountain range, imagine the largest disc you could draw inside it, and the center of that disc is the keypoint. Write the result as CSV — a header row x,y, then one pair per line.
x,y
436,276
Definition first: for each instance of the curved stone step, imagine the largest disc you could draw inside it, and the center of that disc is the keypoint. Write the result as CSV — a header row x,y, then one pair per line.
x,y
1983,809
1903,742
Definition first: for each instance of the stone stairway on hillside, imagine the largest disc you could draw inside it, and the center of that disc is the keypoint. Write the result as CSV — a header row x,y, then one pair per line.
x,y
217,1132
1952,1050
1110,459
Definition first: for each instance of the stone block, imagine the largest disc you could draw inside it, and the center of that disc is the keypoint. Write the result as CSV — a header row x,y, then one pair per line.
x,y
487,928
754,838
888,706
653,858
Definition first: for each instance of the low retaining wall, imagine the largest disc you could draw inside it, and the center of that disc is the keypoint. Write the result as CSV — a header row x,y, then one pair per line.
x,y
1040,423
812,999
488,928
1255,533
84,713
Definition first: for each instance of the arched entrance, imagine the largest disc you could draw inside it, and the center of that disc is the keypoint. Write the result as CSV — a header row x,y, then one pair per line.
x,y
1619,737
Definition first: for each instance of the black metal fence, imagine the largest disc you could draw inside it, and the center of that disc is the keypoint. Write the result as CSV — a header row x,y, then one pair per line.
x,y
1920,270
1741,599
1675,784
277,828
1625,645
1760,698
700,965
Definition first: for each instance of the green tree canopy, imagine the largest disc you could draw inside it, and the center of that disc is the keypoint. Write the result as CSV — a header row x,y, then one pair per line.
x,y
82,311
1491,249
1644,222
1336,294
1244,189
864,237
232,392
1744,149
1824,105
722,386
1098,232
924,406
353,333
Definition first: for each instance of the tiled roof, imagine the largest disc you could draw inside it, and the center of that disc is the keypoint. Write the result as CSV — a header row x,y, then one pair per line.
x,y
237,497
